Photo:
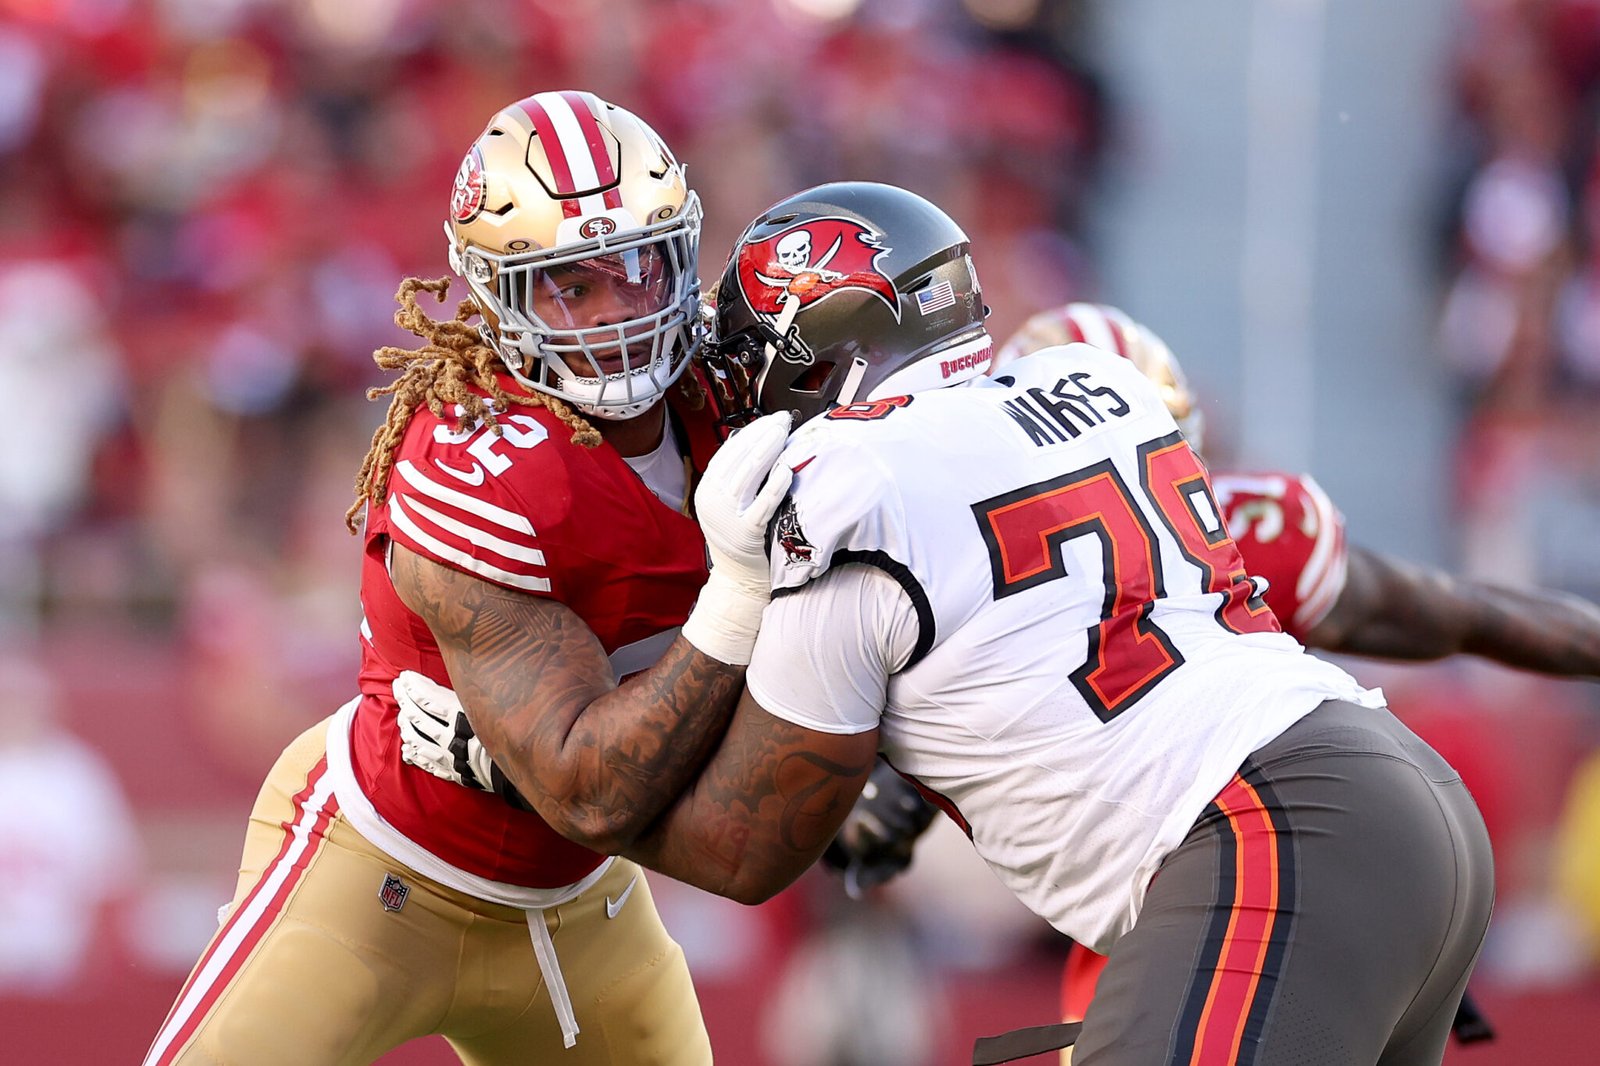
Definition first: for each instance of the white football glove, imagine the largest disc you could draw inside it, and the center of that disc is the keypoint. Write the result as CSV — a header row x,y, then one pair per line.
x,y
741,490
435,736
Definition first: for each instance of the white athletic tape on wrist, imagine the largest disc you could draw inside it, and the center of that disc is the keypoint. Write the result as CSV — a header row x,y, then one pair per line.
x,y
725,620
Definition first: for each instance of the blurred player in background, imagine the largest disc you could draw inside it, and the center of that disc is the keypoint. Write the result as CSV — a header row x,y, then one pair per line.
x,y
527,538
1327,594
1022,591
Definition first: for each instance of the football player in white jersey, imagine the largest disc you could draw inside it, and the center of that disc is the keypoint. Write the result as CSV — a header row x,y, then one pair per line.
x,y
1327,594
1021,591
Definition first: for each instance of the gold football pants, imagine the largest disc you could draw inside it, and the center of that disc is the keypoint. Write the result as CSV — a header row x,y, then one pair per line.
x,y
332,953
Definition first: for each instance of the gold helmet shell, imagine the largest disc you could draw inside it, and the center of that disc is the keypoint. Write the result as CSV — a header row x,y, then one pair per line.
x,y
563,186
1112,329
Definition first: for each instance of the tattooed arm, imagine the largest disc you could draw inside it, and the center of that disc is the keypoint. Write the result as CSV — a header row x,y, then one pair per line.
x,y
1399,610
771,799
776,791
597,761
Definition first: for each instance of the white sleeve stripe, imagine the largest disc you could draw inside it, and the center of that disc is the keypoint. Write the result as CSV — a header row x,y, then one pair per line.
x,y
1316,609
472,534
445,494
403,521
1327,536
1323,578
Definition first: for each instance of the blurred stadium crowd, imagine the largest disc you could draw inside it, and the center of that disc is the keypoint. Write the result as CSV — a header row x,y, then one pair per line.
x,y
206,207
1519,329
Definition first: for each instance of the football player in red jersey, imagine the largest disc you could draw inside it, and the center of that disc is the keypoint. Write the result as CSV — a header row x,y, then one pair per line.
x,y
527,539
1021,590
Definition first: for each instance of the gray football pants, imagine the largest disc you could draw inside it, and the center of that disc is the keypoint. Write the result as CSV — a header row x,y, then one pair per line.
x,y
1325,910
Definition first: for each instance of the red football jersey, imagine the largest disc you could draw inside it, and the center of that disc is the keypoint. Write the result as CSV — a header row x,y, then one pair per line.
x,y
1289,533
531,511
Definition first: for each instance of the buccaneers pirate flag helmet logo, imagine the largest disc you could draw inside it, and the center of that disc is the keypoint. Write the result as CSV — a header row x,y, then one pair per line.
x,y
810,261
782,343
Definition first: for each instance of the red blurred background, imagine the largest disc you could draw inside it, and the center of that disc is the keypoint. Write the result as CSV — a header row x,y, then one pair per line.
x,y
205,208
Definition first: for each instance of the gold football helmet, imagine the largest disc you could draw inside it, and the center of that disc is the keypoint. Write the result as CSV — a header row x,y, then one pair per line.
x,y
1108,327
578,237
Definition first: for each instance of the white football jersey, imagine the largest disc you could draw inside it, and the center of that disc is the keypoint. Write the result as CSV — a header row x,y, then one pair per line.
x,y
1091,664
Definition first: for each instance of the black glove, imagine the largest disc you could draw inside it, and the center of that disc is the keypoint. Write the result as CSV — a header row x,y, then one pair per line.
x,y
1470,1026
878,835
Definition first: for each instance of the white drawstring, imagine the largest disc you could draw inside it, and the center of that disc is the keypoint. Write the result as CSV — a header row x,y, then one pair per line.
x,y
533,902
545,949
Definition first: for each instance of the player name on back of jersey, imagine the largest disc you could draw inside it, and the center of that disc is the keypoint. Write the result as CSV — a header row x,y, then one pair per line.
x,y
1075,404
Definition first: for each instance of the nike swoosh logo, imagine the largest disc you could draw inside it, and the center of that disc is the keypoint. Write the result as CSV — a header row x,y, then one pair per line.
x,y
614,909
473,477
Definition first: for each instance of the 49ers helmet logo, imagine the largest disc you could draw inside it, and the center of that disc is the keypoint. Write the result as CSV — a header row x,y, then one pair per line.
x,y
808,262
466,200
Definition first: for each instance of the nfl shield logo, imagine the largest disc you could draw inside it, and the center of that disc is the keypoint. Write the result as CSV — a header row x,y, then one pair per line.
x,y
393,893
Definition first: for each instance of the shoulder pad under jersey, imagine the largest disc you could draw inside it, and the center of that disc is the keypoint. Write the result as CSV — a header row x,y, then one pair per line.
x,y
843,505
491,504
1288,532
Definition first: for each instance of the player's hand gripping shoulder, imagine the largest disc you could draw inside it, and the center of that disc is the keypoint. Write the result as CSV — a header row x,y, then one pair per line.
x,y
533,686
743,485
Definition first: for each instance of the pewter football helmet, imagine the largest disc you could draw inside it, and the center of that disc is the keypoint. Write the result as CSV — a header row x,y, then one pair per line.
x,y
843,293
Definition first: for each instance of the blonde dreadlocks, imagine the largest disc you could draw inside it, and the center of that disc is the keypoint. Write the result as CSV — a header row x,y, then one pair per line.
x,y
443,371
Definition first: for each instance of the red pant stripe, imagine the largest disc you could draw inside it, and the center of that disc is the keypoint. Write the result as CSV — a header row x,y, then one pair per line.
x,y
314,806
1236,978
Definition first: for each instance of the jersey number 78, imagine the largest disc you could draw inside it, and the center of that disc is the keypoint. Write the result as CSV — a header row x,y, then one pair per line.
x,y
1129,653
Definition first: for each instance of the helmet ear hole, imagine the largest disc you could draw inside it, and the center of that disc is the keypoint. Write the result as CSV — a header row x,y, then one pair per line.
x,y
814,377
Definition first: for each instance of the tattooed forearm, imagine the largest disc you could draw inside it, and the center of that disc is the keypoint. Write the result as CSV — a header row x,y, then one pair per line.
x,y
598,762
762,811
684,684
